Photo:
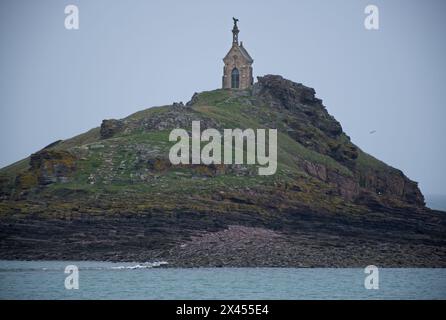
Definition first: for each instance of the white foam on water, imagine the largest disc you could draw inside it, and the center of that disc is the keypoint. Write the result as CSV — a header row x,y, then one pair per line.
x,y
147,265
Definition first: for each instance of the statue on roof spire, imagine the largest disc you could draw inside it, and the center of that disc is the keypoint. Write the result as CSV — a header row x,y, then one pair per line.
x,y
235,32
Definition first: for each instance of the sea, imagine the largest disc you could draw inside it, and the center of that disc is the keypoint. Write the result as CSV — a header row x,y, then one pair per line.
x,y
436,201
106,280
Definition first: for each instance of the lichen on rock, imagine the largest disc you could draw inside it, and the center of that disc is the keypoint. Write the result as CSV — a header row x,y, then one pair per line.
x,y
46,167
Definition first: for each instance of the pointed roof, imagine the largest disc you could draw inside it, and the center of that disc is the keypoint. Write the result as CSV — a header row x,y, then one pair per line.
x,y
242,50
245,53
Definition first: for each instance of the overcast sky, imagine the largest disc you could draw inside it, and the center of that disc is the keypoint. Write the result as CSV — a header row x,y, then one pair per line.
x,y
129,55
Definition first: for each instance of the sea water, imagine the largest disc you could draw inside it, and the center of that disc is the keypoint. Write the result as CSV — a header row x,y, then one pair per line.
x,y
105,280
436,201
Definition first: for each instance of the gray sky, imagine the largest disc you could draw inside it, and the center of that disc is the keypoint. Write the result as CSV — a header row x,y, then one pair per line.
x,y
130,55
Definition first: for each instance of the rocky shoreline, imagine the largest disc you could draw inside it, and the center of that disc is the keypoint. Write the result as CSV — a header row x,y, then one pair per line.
x,y
303,240
240,246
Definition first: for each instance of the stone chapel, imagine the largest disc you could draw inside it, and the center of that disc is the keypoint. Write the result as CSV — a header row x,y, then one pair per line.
x,y
237,72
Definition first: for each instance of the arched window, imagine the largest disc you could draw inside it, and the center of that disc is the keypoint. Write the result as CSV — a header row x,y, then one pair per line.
x,y
235,78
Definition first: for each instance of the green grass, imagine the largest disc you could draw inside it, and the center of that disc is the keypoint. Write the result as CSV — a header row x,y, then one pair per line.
x,y
213,97
15,168
366,161
146,113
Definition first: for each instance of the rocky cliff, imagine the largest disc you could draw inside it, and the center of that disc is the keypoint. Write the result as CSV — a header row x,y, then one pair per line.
x,y
112,193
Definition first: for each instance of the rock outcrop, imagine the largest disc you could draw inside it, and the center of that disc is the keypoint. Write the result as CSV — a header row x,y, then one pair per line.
x,y
110,127
308,122
47,167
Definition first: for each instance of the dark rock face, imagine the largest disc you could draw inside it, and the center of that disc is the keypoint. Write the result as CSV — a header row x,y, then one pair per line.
x,y
193,100
412,193
110,127
194,239
392,183
299,99
308,122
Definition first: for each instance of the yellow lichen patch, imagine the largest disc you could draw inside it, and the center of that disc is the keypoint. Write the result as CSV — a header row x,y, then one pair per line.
x,y
27,180
160,165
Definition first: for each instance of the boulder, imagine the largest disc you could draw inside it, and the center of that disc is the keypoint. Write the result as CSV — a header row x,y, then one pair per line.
x,y
110,127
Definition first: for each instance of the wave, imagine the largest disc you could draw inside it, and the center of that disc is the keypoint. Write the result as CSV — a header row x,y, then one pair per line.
x,y
57,266
147,265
